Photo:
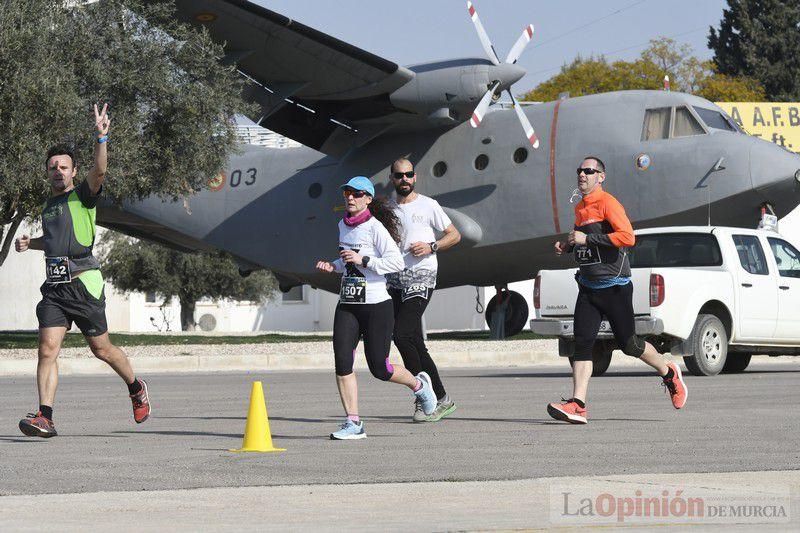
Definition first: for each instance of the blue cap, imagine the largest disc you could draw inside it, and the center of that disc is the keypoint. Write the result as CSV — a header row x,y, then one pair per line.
x,y
360,183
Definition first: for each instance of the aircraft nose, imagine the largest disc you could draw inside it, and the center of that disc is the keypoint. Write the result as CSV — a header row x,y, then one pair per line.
x,y
775,173
508,74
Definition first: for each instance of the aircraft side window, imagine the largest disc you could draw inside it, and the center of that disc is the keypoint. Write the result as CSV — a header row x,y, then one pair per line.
x,y
439,169
685,124
751,256
481,162
787,257
656,123
315,190
715,119
520,155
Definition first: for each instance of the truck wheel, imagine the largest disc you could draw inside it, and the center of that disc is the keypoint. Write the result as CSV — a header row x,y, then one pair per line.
x,y
516,313
601,359
736,362
709,346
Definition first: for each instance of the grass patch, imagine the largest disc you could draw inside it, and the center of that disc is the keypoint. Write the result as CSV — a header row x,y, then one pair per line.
x,y
29,340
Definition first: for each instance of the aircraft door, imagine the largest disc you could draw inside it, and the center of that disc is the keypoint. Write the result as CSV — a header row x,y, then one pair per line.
x,y
755,289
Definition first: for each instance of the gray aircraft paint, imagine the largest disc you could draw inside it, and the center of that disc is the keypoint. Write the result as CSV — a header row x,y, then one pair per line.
x,y
369,111
275,224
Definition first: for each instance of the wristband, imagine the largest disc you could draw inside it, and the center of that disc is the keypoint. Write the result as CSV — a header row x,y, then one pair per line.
x,y
102,139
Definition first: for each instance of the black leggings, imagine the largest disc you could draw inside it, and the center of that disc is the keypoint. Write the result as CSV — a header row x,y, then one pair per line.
x,y
614,303
409,339
372,321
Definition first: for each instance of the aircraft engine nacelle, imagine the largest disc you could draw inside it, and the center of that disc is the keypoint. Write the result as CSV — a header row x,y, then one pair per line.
x,y
450,90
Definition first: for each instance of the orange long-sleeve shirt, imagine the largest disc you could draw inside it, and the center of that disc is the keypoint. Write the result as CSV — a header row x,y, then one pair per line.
x,y
608,235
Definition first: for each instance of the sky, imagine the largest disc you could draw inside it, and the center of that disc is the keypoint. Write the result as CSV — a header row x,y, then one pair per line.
x,y
418,31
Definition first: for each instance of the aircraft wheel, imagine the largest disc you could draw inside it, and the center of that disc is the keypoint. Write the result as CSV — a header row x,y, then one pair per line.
x,y
516,313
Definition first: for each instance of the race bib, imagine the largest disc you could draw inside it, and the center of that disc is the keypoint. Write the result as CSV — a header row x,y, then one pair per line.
x,y
353,291
415,290
586,255
57,269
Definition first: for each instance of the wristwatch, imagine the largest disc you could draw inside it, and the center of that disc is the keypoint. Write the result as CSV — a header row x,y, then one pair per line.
x,y
434,247
364,261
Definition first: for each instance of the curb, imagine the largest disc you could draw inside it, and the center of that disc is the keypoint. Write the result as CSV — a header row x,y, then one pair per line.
x,y
296,361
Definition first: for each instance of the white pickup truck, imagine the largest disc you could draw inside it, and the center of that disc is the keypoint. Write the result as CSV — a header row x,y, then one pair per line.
x,y
714,295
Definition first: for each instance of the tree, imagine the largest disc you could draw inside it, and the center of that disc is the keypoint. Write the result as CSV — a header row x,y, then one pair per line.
x,y
663,57
133,265
761,38
170,98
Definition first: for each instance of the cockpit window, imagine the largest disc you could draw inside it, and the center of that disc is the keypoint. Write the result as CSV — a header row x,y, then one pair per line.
x,y
656,123
716,120
686,124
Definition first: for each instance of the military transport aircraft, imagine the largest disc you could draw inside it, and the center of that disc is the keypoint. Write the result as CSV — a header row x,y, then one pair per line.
x,y
671,158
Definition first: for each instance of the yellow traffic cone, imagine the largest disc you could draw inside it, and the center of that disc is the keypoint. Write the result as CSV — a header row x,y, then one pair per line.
x,y
257,437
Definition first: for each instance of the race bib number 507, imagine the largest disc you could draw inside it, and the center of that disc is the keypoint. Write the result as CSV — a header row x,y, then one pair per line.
x,y
353,291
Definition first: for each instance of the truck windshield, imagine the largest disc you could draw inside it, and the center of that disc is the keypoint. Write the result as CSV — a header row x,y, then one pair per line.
x,y
675,250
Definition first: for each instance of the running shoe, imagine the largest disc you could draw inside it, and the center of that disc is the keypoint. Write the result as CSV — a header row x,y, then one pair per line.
x,y
350,431
676,387
419,414
425,394
35,425
568,411
141,404
443,408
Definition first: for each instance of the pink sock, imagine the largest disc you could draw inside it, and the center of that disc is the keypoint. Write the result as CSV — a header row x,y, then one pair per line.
x,y
418,386
354,418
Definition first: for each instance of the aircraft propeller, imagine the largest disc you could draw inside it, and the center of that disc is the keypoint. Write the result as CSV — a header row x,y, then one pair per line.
x,y
514,73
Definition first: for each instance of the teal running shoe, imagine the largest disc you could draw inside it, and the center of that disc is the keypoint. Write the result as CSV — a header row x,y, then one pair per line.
x,y
425,395
350,431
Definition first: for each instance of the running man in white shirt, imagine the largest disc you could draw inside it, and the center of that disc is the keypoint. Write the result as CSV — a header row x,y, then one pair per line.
x,y
411,289
368,250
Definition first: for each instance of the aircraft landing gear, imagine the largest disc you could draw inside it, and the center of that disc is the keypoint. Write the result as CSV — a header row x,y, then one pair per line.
x,y
514,308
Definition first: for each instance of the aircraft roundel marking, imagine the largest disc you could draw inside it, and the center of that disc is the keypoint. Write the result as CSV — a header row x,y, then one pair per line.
x,y
643,161
217,182
205,17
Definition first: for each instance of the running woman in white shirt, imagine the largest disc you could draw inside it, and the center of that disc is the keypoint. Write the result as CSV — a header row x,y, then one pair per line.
x,y
368,236
412,289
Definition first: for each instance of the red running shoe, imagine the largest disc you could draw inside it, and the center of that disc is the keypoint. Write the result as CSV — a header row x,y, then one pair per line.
x,y
35,425
141,404
568,411
676,387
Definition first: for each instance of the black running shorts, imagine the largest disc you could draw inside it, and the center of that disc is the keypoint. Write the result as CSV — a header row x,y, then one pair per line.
x,y
65,303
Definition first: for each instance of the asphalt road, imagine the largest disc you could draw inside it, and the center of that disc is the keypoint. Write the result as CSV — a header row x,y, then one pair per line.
x,y
745,422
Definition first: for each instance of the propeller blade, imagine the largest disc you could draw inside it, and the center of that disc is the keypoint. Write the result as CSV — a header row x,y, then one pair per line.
x,y
487,44
483,105
526,124
519,46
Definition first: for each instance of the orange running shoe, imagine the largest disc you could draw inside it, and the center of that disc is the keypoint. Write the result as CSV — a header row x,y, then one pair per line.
x,y
35,425
568,411
676,387
141,403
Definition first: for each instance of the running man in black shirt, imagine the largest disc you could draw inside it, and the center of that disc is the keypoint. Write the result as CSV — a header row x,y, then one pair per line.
x,y
73,291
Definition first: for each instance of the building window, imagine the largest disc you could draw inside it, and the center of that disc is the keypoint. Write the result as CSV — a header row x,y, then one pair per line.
x,y
294,295
150,297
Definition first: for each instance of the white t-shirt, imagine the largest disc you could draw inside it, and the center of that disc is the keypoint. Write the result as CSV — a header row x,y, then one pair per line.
x,y
370,239
418,220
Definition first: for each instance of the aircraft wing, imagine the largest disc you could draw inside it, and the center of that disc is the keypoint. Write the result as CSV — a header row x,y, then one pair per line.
x,y
311,87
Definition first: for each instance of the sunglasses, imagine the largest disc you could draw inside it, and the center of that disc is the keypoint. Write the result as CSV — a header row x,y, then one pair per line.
x,y
401,175
589,171
354,193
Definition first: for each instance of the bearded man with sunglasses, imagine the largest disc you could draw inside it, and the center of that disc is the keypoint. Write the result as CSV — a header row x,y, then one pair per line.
x,y
412,288
600,242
